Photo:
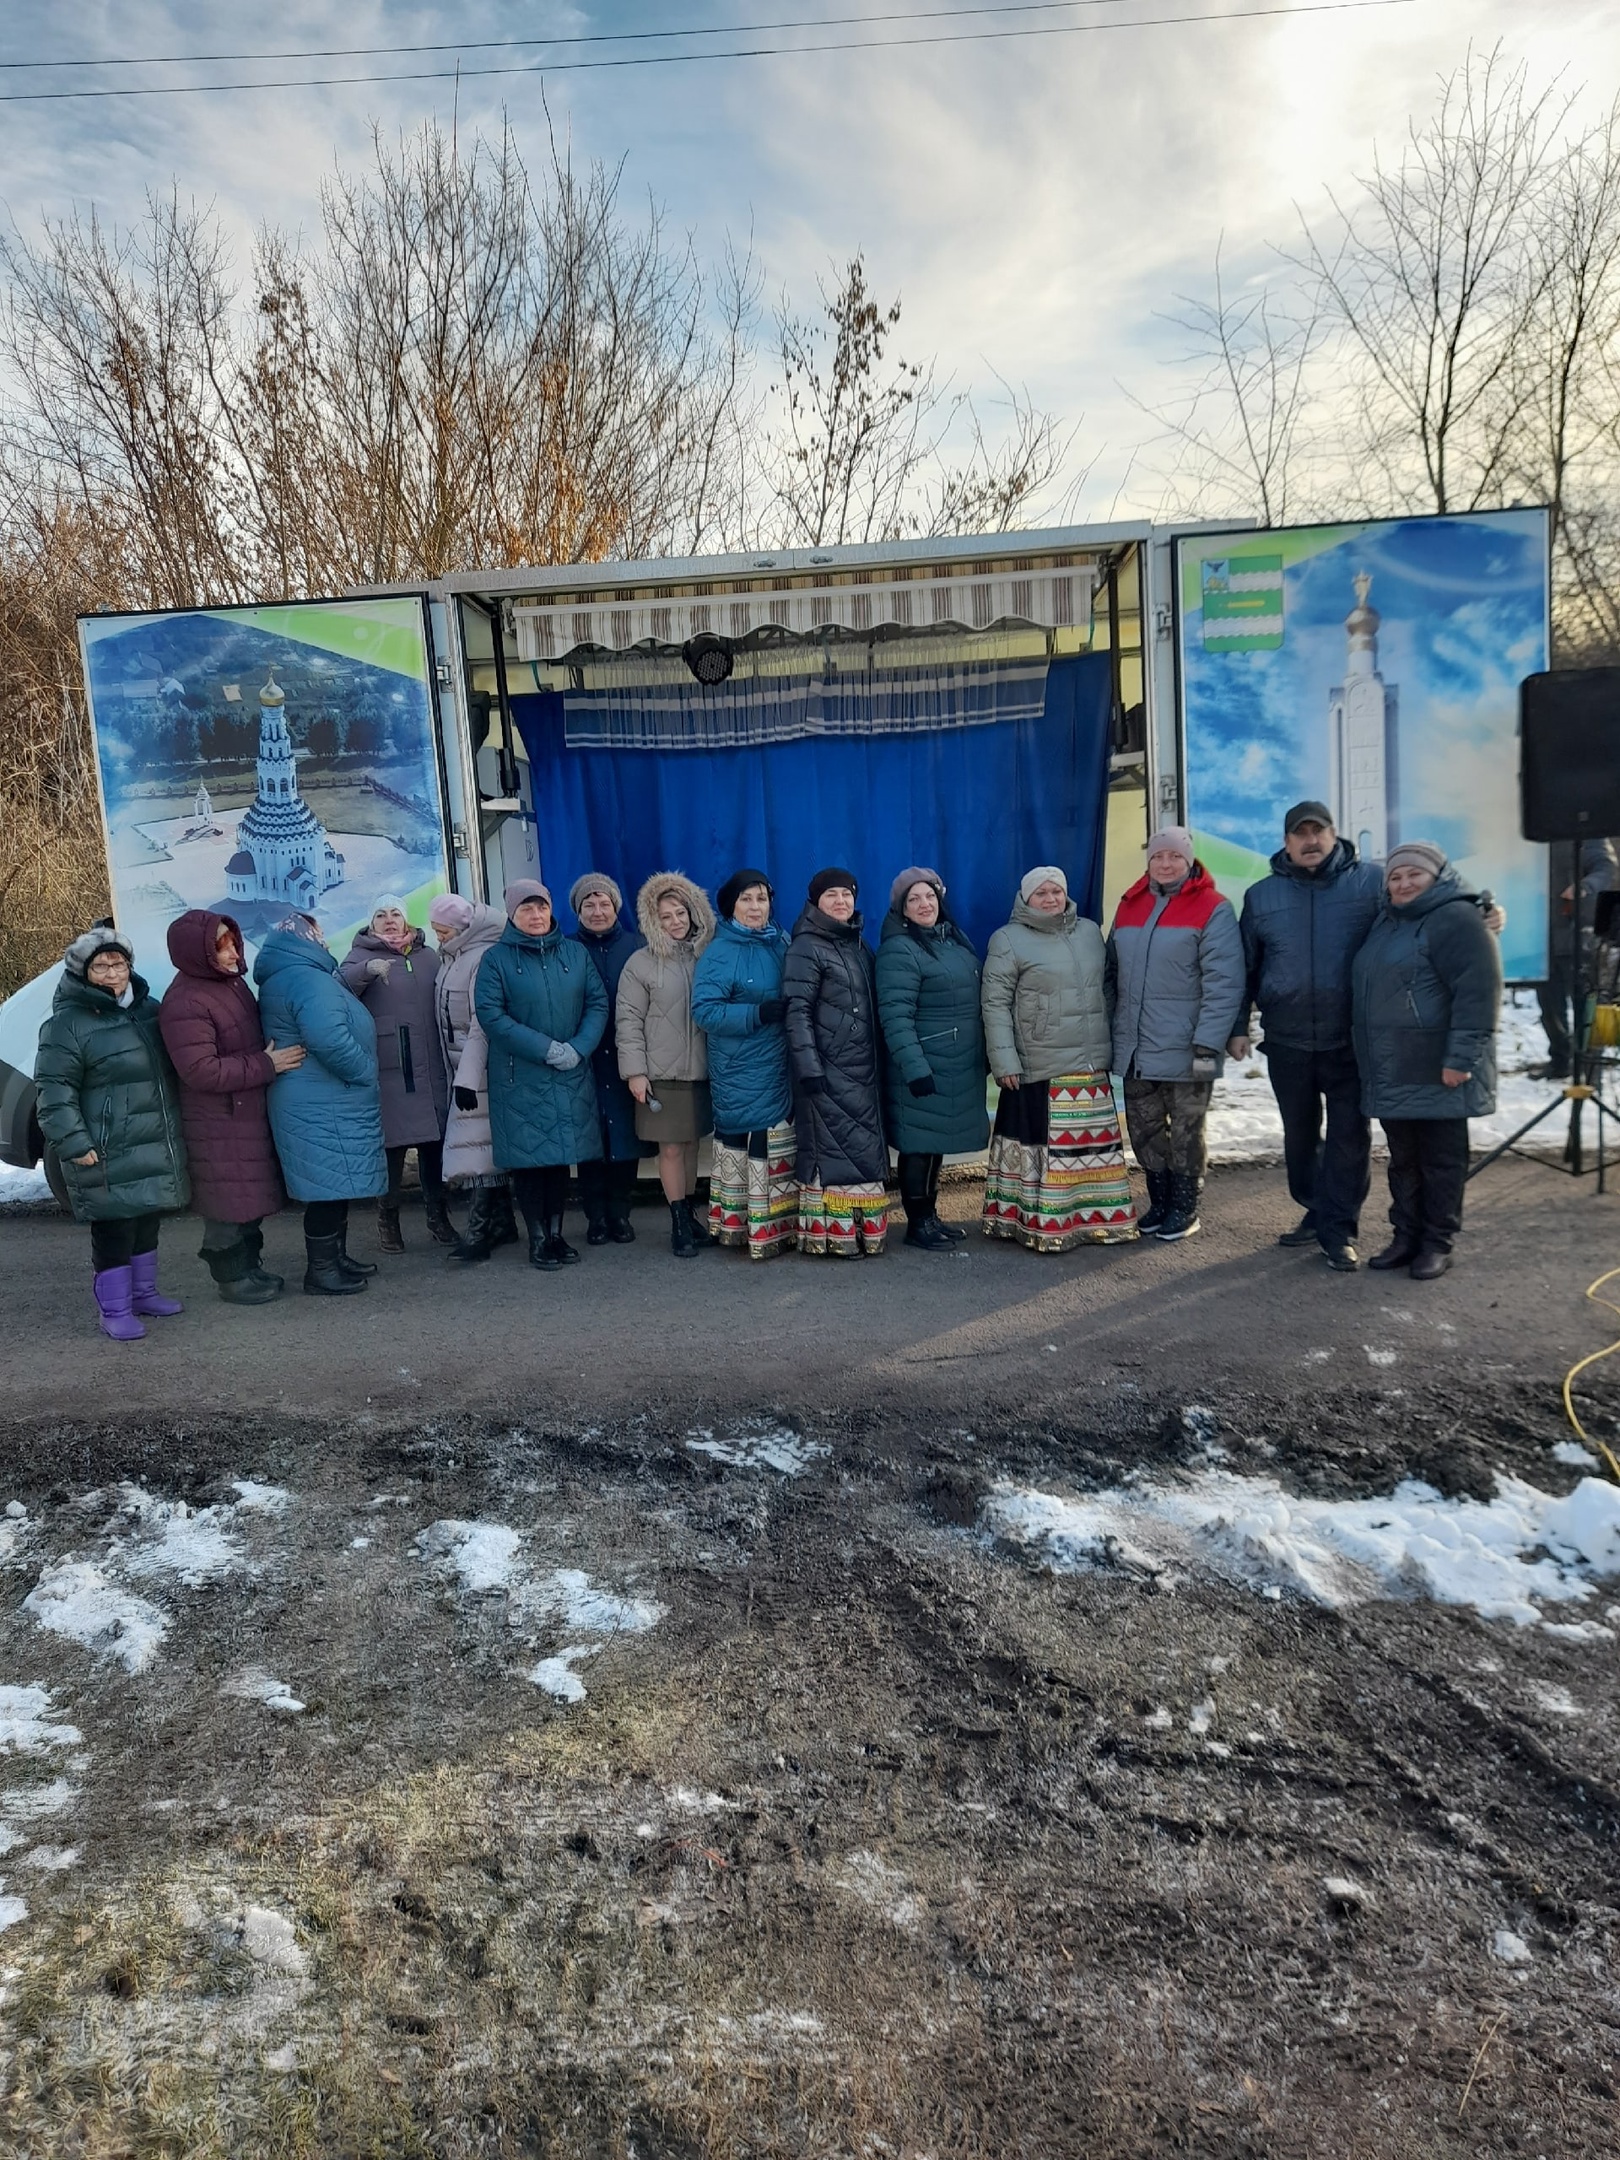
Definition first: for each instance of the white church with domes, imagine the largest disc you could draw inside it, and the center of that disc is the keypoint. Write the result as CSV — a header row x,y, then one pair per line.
x,y
282,851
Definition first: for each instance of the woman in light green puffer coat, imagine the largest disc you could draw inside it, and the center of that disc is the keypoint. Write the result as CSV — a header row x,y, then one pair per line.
x,y
1057,1175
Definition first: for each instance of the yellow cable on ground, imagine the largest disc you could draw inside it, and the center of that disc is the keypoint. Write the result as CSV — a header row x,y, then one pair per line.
x,y
1596,1358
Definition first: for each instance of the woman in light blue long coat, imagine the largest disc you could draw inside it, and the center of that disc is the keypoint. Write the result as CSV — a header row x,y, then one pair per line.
x,y
326,1115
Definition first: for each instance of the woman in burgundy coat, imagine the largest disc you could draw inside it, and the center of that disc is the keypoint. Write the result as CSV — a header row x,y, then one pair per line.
x,y
210,1023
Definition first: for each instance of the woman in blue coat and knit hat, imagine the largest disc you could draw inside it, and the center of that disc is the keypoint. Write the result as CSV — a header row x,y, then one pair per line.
x,y
606,1188
541,1003
928,1003
327,1114
737,1001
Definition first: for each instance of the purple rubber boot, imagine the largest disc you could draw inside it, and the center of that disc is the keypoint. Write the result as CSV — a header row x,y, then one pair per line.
x,y
148,1298
113,1290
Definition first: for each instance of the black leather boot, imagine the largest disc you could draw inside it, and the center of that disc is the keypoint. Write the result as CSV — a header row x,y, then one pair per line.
x,y
922,1230
439,1226
681,1241
503,1229
324,1275
954,1231
390,1237
357,1270
1181,1219
593,1198
240,1279
477,1243
1158,1185
559,1252
697,1214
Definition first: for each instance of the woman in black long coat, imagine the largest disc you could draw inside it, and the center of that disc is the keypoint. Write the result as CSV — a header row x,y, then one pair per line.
x,y
833,1046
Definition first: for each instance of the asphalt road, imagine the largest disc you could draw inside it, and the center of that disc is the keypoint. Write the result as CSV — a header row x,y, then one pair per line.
x,y
990,1330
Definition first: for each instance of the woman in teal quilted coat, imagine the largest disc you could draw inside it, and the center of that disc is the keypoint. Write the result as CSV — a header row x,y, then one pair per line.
x,y
928,1003
109,1108
327,1115
540,1000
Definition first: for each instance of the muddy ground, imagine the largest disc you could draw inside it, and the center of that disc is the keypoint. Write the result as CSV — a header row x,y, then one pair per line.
x,y
866,1834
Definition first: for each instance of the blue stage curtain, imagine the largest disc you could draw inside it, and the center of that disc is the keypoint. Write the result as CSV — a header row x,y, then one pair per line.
x,y
978,804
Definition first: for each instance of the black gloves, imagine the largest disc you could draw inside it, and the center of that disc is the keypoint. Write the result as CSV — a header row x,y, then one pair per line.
x,y
924,1086
772,1009
812,1084
466,1099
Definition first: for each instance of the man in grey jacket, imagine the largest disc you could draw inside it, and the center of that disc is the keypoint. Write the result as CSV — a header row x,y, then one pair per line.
x,y
1175,988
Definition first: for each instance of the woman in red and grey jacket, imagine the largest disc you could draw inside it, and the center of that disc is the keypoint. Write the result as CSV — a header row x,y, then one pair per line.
x,y
1175,985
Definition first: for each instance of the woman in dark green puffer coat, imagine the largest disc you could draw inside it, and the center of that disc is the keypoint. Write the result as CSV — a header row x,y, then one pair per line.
x,y
109,1107
928,1004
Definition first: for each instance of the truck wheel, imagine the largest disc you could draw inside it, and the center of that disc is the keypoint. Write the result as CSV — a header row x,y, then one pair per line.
x,y
56,1181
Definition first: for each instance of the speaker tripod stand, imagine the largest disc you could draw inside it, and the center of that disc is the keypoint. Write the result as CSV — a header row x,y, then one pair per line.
x,y
1587,1060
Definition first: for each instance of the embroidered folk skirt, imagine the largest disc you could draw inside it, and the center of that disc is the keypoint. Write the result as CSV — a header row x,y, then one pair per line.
x,y
847,1220
753,1194
1057,1175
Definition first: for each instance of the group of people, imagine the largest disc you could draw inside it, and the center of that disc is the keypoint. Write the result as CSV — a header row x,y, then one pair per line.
x,y
509,1055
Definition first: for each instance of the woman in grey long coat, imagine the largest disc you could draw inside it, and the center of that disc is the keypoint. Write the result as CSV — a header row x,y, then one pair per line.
x,y
663,1057
391,969
1057,1175
1427,990
465,932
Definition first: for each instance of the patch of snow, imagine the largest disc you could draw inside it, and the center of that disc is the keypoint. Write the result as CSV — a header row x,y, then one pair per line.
x,y
268,1939
1158,1720
1497,1556
1510,1948
28,1723
75,1599
260,1499
584,1608
1203,1716
1588,1631
1557,1700
195,1548
1345,1892
52,1858
758,1446
33,1801
359,1544
21,1188
253,1685
1317,1357
282,2058
1376,1356
12,1909
688,1801
876,1883
1571,1451
481,1556
556,1675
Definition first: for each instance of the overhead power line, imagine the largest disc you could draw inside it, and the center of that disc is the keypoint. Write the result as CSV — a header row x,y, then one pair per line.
x,y
584,37
700,59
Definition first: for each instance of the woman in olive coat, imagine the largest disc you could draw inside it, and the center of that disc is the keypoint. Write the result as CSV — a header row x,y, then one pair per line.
x,y
835,1050
928,1003
108,1106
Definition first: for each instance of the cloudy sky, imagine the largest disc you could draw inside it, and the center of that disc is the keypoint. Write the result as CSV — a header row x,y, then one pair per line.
x,y
1038,202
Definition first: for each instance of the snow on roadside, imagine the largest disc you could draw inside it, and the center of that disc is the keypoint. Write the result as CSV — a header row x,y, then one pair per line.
x,y
254,1685
30,1723
483,1559
22,1188
1499,1555
754,1445
92,1602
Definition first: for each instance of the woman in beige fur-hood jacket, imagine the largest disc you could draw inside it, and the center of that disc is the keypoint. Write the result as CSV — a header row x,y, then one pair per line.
x,y
663,1054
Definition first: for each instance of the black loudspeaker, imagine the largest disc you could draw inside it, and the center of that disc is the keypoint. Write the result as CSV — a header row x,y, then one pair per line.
x,y
1569,754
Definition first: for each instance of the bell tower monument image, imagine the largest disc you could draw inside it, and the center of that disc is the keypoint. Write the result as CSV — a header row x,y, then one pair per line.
x,y
282,852
1363,742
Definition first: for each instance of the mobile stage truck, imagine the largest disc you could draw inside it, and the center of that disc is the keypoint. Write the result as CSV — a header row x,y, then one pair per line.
x,y
968,703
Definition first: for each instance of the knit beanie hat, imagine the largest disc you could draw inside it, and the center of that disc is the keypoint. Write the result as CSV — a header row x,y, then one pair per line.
x,y
450,912
734,888
824,878
521,889
1177,839
103,938
387,900
914,874
594,881
1415,855
1043,874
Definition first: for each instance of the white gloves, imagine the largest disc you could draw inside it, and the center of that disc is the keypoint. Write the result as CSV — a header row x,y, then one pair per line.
x,y
379,968
563,1055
